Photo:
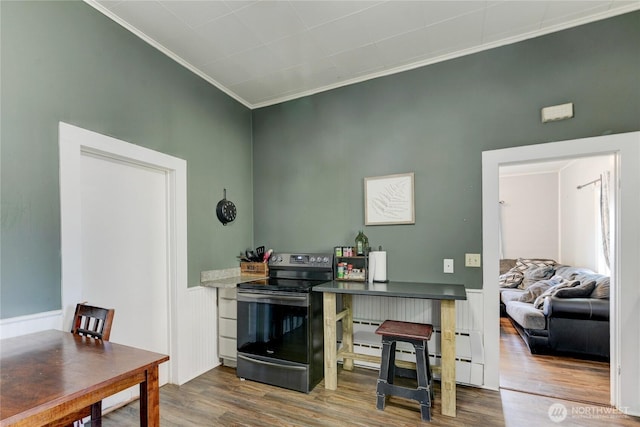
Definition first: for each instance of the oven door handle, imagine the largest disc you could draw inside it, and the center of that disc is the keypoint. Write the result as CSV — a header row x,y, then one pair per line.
x,y
276,365
274,299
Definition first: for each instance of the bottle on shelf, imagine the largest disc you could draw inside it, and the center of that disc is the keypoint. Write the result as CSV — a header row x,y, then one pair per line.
x,y
362,242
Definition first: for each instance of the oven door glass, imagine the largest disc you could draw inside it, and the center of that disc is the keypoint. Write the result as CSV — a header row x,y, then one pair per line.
x,y
274,325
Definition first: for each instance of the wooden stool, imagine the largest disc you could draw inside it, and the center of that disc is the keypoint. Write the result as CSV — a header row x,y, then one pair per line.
x,y
416,334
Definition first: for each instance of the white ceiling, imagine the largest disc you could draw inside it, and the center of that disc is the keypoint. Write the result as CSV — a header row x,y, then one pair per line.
x,y
265,52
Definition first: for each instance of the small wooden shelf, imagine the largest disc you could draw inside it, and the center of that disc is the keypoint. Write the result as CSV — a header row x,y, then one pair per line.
x,y
359,262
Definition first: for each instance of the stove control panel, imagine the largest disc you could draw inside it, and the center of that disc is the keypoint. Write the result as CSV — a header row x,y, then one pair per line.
x,y
301,260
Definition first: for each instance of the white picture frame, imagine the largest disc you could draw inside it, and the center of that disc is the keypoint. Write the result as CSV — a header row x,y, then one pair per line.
x,y
389,199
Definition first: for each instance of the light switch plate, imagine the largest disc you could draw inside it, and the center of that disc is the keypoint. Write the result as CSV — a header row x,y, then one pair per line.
x,y
472,260
448,265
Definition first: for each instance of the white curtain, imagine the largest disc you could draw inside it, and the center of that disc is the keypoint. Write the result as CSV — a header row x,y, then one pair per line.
x,y
604,215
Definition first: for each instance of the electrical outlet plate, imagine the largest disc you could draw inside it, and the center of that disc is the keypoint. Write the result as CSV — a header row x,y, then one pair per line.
x,y
472,260
448,266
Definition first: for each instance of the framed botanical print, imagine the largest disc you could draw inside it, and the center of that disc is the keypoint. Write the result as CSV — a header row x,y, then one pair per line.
x,y
389,199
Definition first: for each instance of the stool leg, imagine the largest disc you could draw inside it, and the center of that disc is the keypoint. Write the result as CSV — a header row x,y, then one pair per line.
x,y
429,373
392,363
386,370
424,390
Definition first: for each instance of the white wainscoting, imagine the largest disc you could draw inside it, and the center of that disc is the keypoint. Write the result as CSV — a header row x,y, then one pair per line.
x,y
370,312
198,339
22,325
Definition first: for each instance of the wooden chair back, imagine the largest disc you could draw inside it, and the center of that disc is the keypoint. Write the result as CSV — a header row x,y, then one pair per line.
x,y
93,321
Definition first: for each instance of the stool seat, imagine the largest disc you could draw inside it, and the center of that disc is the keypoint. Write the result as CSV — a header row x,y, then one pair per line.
x,y
413,331
417,334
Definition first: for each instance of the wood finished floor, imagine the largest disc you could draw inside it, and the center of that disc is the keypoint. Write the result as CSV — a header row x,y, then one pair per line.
x,y
220,398
547,375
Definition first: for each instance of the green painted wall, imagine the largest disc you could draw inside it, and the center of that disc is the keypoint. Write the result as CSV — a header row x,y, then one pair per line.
x,y
312,154
64,61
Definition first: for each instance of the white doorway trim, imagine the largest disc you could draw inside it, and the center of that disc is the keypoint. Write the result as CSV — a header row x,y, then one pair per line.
x,y
625,292
73,142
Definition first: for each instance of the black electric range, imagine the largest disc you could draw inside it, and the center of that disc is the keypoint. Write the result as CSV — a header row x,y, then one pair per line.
x,y
280,334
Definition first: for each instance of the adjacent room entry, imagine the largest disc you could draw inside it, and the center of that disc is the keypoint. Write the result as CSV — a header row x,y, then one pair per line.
x,y
624,368
118,240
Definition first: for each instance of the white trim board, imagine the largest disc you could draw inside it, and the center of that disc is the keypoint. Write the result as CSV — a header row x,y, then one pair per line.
x,y
625,292
22,325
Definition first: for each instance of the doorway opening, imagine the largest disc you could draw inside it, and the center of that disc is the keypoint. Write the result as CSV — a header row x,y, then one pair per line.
x,y
554,211
624,292
105,235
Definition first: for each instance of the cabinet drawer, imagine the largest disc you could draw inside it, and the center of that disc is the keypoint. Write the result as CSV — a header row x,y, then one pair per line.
x,y
228,293
228,348
228,328
228,308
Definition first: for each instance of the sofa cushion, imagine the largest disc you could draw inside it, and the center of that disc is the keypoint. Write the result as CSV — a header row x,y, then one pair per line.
x,y
508,295
524,263
601,290
570,273
514,277
510,279
535,274
526,315
507,264
582,290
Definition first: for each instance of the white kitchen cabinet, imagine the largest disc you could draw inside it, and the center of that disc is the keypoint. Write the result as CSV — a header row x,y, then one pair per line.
x,y
227,321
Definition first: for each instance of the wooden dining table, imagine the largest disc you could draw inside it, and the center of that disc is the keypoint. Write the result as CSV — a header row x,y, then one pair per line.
x,y
446,293
48,376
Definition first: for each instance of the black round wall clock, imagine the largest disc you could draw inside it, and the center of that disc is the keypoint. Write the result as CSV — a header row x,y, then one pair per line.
x,y
226,210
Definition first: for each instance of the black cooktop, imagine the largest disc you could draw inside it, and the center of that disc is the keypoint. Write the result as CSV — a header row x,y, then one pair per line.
x,y
282,285
294,272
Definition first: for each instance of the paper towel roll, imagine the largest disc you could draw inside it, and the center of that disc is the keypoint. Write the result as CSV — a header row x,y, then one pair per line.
x,y
377,266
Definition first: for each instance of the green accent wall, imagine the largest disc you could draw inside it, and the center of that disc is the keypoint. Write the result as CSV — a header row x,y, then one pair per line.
x,y
65,61
312,154
295,170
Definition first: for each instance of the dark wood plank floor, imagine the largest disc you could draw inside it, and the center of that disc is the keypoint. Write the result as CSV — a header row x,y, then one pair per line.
x,y
220,398
553,376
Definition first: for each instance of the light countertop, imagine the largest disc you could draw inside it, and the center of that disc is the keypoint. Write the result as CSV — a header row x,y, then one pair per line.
x,y
229,282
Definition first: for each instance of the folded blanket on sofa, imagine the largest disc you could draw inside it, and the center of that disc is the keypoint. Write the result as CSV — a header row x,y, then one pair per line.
x,y
538,288
553,290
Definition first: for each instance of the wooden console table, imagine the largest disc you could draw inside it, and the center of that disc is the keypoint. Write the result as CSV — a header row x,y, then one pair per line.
x,y
46,376
447,294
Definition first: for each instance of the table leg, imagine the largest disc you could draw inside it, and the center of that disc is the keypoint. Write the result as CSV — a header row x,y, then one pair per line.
x,y
330,350
150,399
347,331
448,348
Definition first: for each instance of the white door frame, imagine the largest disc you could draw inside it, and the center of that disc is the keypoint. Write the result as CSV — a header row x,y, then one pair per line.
x,y
73,142
625,292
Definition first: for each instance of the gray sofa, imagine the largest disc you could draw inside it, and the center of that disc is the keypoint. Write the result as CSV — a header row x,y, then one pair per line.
x,y
556,308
